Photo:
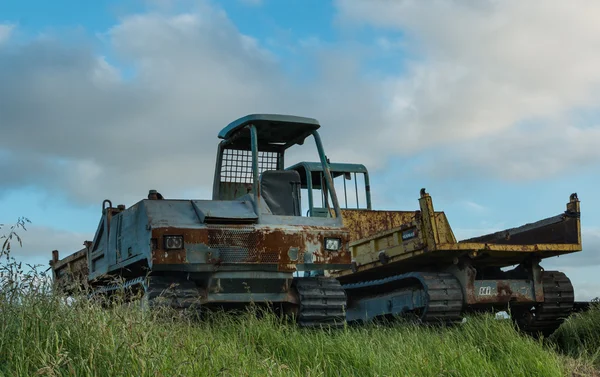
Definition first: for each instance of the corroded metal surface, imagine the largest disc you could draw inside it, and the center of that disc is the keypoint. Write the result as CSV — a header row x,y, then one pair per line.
x,y
400,238
365,223
553,310
239,244
500,291
72,270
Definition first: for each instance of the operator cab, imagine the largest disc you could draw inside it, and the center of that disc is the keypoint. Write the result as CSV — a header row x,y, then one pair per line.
x,y
350,179
250,164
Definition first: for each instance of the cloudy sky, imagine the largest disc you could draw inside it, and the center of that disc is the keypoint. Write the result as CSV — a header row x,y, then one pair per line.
x,y
493,106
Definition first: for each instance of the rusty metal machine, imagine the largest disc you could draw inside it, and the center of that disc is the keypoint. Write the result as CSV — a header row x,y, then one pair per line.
x,y
242,246
409,262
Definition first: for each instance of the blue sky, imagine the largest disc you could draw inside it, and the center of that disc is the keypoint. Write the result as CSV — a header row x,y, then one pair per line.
x,y
108,99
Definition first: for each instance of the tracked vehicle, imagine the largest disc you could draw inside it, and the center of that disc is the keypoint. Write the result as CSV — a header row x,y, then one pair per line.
x,y
409,262
242,246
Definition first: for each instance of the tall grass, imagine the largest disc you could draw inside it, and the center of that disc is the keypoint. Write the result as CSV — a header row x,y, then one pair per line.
x,y
579,335
43,335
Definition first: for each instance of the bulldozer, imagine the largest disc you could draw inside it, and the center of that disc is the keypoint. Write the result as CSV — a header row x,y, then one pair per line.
x,y
243,246
409,263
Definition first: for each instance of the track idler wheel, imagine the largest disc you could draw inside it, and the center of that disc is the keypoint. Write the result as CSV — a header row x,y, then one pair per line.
x,y
544,318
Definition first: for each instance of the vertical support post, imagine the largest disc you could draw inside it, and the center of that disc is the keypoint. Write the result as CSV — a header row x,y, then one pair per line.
x,y
345,194
428,218
327,174
309,186
255,183
368,190
280,161
217,175
356,190
537,276
107,213
573,209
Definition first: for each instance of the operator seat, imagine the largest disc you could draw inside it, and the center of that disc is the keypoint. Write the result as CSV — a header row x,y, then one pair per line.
x,y
280,189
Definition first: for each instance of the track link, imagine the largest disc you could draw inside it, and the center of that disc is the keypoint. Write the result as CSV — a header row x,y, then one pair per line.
x,y
441,293
445,302
176,294
558,303
322,302
155,291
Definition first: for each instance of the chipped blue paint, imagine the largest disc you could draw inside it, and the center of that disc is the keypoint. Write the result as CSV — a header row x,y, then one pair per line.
x,y
224,209
198,253
235,240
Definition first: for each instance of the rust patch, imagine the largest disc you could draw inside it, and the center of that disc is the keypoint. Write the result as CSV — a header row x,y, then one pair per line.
x,y
470,285
245,244
70,271
163,256
365,223
277,243
168,257
504,291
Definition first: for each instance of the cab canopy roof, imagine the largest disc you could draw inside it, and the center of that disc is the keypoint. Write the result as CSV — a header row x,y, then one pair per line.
x,y
316,169
274,131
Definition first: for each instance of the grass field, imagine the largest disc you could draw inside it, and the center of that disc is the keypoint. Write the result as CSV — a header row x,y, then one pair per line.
x,y
40,336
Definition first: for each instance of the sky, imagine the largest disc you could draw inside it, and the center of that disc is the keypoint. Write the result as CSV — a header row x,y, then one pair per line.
x,y
492,106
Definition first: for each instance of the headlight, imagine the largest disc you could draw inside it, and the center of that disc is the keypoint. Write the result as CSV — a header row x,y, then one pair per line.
x,y
173,242
332,244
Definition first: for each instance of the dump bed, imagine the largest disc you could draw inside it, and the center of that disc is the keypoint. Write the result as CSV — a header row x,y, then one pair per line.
x,y
404,241
70,272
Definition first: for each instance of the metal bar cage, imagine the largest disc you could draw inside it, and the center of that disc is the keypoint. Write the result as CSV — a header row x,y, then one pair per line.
x,y
236,165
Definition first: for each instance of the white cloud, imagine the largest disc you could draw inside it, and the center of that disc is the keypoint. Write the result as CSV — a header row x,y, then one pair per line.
x,y
5,32
38,243
588,257
99,135
474,206
520,153
105,74
482,69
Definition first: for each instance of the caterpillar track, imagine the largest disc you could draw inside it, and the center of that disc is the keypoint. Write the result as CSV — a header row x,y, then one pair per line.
x,y
154,291
176,294
546,317
431,297
322,301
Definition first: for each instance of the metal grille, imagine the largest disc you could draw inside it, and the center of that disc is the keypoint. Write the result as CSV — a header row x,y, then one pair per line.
x,y
237,165
234,245
269,257
238,245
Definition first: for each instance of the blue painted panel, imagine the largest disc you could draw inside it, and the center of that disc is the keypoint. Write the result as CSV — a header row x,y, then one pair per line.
x,y
192,213
223,209
126,263
198,253
177,213
300,220
333,167
247,297
131,241
392,304
259,119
